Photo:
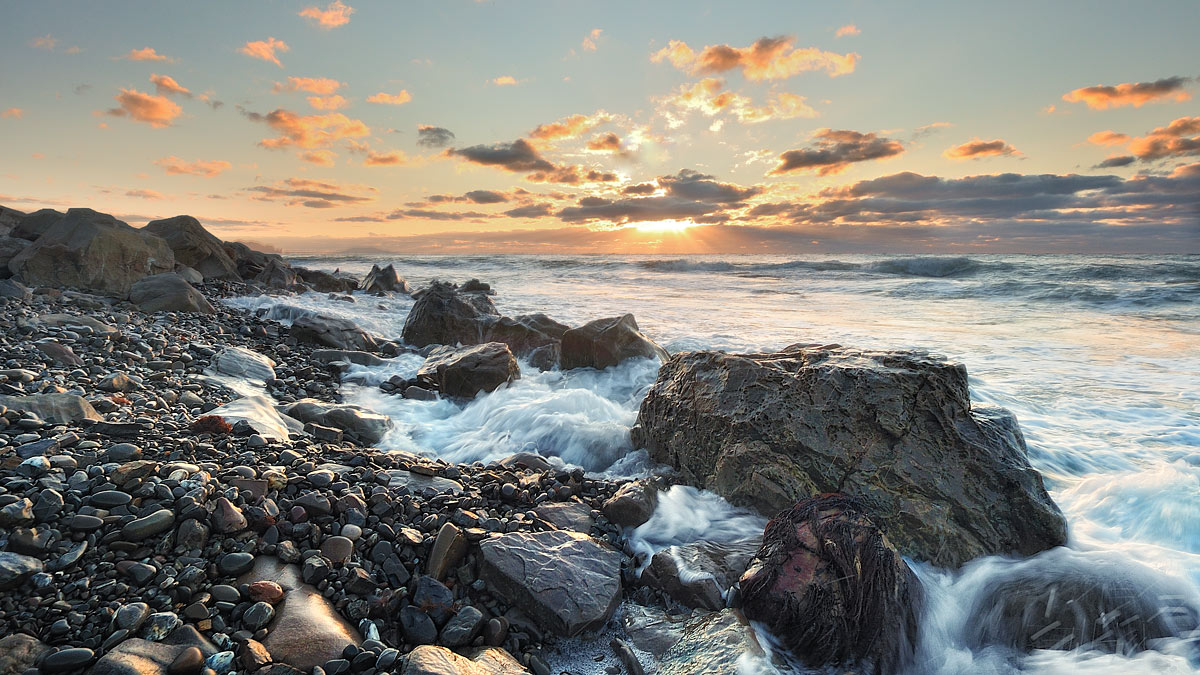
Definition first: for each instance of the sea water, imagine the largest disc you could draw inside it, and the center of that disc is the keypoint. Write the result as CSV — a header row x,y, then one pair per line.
x,y
1099,358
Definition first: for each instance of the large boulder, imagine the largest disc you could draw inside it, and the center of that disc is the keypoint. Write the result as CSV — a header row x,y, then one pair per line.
x,y
331,331
325,282
1065,599
443,316
9,248
566,581
535,336
9,218
93,251
466,371
276,273
606,342
195,247
168,293
385,280
367,425
896,430
35,224
720,643
830,586
56,408
18,652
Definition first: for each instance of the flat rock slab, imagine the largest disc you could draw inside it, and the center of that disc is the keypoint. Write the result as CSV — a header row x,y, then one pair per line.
x,y
431,660
259,412
57,408
568,582
722,643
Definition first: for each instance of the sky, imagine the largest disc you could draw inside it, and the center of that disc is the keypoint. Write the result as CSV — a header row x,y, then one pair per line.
x,y
522,126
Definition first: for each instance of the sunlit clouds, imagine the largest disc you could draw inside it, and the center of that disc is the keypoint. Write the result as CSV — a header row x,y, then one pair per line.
x,y
205,168
334,102
835,150
157,111
313,194
12,113
399,98
335,14
1180,138
322,86
46,42
165,85
589,42
308,131
766,59
505,81
147,54
265,50
1136,94
976,148
847,30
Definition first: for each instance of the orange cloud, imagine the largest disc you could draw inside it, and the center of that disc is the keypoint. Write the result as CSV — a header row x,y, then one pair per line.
x,y
1136,94
46,42
505,81
609,142
308,131
322,86
165,85
1180,137
834,152
327,102
320,157
976,148
146,54
265,50
766,59
391,99
570,127
157,111
848,29
313,194
385,158
207,168
145,194
1108,137
12,113
589,42
1186,170
335,14
708,97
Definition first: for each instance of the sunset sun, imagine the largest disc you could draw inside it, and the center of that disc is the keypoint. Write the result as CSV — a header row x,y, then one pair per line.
x,y
663,225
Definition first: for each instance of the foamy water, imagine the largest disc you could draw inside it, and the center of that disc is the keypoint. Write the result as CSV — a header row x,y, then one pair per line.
x,y
1099,358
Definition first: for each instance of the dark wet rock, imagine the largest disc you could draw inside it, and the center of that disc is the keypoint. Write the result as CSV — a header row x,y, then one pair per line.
x,y
324,282
698,574
348,356
258,615
330,331
896,430
168,292
632,505
448,550
1065,599
828,584
195,247
59,408
276,273
566,581
433,598
15,568
527,333
66,660
722,643
188,662
467,371
385,280
370,427
94,251
574,516
416,626
443,316
607,342
60,353
14,289
234,564
147,526
463,628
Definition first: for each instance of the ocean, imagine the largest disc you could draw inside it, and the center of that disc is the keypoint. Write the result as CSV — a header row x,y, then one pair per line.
x,y
1098,357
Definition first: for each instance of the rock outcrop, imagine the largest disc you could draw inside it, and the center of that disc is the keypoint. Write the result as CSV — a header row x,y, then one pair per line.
x,y
366,425
332,331
896,430
58,408
384,280
606,342
95,251
829,585
467,371
443,316
243,362
195,247
168,293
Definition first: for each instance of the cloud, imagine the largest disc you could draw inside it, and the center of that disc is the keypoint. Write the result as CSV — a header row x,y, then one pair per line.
x,y
328,102
13,113
335,14
637,209
709,98
322,86
401,214
505,81
486,197
609,142
1116,161
640,189
1186,171
766,59
530,211
1180,138
145,194
391,99
165,85
570,127
308,131
848,29
1136,94
319,157
572,175
430,136
393,158
207,168
157,111
835,151
1108,138
265,50
313,194
589,42
146,54
689,184
976,148
516,156
46,42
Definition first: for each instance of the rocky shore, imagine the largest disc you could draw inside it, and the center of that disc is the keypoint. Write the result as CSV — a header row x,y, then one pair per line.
x,y
183,489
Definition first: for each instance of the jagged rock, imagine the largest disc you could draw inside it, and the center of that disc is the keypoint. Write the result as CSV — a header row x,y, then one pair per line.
x,y
385,280
568,582
698,574
1065,599
276,273
367,425
36,224
632,505
15,568
325,282
195,247
467,371
830,586
94,251
59,408
168,293
526,334
14,289
896,430
9,248
331,331
243,362
443,316
250,263
720,643
606,342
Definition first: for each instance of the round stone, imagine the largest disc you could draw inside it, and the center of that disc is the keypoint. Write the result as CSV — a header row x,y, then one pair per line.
x,y
67,660
189,662
107,499
234,564
258,615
